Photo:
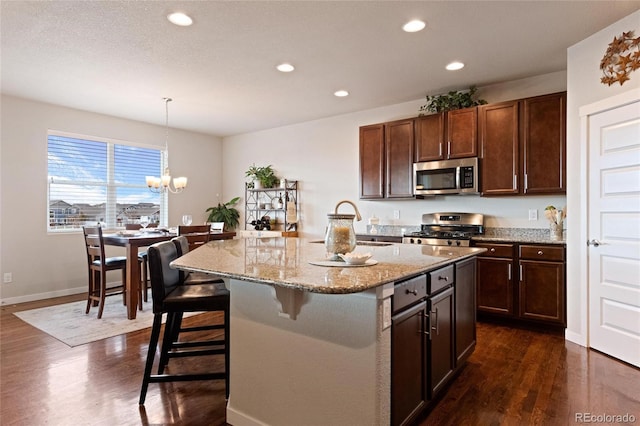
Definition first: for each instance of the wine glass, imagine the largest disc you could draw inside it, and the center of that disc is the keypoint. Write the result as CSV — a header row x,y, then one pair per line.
x,y
144,221
186,219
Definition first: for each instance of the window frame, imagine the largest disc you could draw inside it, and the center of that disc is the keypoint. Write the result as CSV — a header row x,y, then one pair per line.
x,y
110,184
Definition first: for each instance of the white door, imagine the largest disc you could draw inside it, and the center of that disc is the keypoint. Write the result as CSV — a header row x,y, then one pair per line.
x,y
614,231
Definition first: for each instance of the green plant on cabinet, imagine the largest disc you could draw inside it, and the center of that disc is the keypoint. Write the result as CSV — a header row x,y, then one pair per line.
x,y
452,100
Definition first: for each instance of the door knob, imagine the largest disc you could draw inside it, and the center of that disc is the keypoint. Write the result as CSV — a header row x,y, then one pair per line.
x,y
594,243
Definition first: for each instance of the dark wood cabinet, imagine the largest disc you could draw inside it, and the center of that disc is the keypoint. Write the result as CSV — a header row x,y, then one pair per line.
x,y
495,279
432,317
447,135
386,160
523,146
441,335
542,283
465,309
430,137
499,148
535,290
372,161
462,133
544,144
408,352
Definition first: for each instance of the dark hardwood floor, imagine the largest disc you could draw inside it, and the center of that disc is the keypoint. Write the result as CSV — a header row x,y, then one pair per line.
x,y
515,377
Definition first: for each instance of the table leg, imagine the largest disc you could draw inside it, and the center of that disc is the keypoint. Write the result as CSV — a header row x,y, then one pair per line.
x,y
133,281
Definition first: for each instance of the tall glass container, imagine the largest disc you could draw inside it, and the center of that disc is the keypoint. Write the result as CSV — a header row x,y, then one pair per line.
x,y
340,237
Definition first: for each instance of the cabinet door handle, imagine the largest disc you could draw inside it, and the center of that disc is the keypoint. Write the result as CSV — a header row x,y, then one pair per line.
x,y
540,252
441,278
414,292
425,322
526,181
521,272
435,328
509,272
492,250
449,149
440,149
515,181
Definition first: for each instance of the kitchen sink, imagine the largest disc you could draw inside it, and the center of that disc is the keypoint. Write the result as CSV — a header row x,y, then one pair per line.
x,y
361,243
373,243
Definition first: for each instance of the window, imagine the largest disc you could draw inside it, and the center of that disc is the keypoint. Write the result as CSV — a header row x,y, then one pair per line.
x,y
94,180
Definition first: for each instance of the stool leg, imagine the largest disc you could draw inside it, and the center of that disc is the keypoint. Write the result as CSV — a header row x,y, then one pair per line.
x,y
144,279
151,353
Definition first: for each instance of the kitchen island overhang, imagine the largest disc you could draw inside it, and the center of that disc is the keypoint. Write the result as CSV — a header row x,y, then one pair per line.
x,y
311,344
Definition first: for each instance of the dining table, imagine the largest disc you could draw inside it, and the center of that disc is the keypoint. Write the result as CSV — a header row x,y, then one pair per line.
x,y
132,242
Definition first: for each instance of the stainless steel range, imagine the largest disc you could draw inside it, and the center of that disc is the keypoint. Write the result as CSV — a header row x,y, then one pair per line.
x,y
446,229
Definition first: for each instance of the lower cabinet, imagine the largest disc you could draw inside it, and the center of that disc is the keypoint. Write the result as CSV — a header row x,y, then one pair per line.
x,y
431,336
441,360
522,281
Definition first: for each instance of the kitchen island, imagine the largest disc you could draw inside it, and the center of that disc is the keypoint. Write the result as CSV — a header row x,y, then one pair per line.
x,y
311,344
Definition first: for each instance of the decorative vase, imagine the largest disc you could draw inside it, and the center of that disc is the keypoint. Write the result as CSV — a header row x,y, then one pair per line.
x,y
555,230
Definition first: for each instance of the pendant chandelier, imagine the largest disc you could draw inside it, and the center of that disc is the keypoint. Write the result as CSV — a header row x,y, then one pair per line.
x,y
163,184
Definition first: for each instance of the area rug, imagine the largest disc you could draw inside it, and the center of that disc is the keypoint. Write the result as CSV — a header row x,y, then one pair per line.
x,y
69,324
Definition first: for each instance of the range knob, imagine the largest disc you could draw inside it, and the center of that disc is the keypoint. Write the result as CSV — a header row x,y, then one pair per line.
x,y
418,241
458,243
449,242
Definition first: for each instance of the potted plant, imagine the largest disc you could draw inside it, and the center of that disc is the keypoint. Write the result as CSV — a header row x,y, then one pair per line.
x,y
451,100
225,213
265,176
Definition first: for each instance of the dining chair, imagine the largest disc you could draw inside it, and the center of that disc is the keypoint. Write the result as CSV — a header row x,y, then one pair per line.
x,y
197,235
170,296
98,264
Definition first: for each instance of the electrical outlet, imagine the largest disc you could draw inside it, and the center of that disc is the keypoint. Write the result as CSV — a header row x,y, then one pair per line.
x,y
8,277
386,313
396,214
533,214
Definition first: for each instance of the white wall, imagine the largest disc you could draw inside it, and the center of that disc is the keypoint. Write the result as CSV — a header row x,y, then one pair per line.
x,y
584,87
50,265
323,156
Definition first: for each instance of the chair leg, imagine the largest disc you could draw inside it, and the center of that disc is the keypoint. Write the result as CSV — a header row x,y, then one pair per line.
x,y
151,353
144,279
91,290
140,288
103,291
171,333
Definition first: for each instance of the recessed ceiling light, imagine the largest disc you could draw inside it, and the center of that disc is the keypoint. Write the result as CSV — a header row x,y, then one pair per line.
x,y
413,26
453,66
179,18
285,67
341,93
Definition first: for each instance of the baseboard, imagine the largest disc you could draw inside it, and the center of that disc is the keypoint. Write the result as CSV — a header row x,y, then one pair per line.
x,y
42,296
576,338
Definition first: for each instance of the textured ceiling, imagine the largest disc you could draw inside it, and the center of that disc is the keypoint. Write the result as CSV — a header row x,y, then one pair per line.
x,y
121,57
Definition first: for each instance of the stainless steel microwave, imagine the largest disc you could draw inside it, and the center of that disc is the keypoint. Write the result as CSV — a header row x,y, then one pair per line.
x,y
446,177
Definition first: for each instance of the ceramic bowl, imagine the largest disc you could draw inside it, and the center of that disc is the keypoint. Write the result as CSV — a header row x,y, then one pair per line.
x,y
355,258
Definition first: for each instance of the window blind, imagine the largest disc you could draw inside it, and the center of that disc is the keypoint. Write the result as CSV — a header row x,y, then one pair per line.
x,y
94,181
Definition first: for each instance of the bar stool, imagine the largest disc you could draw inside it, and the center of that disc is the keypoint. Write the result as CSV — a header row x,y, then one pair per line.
x,y
172,297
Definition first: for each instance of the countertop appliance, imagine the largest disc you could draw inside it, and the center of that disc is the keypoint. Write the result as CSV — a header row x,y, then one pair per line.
x,y
446,229
446,177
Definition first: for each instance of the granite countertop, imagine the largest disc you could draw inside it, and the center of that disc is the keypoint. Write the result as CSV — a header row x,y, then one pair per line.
x,y
285,262
519,235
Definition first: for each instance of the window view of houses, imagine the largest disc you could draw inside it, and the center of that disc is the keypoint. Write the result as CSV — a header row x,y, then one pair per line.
x,y
63,215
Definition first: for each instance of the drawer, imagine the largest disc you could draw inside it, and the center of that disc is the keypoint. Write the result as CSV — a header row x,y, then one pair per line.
x,y
496,250
549,253
440,278
408,292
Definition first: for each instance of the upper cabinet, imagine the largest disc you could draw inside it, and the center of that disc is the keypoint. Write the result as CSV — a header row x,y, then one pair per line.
x,y
499,148
544,144
447,135
523,146
386,160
